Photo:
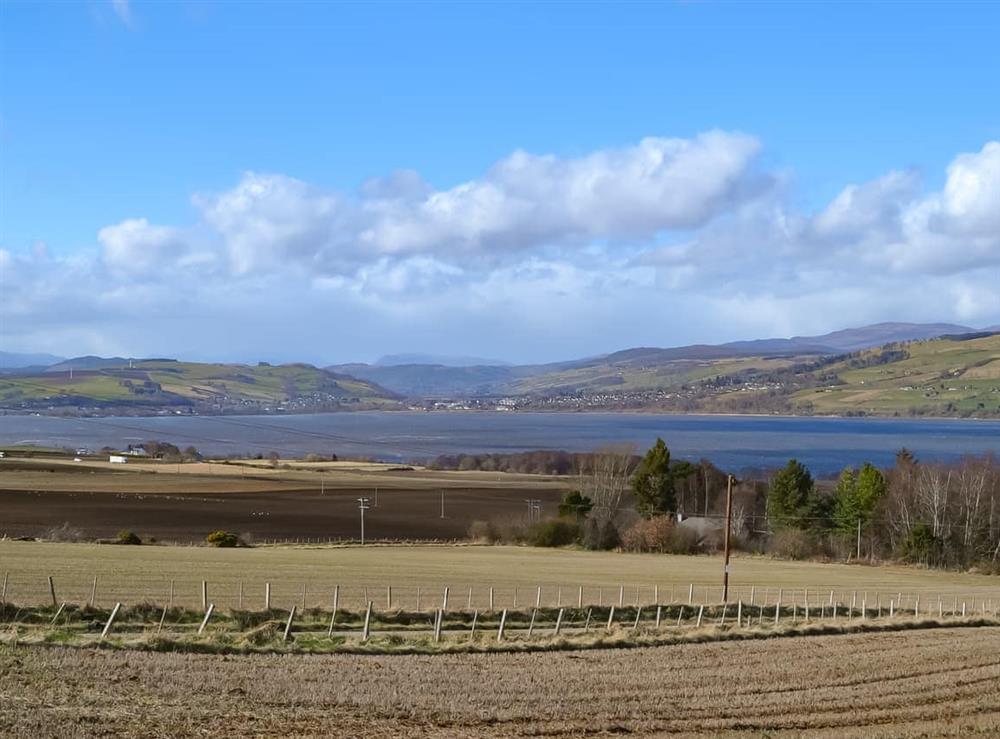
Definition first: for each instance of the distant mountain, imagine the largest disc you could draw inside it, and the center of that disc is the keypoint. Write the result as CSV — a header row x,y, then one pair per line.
x,y
640,367
14,360
395,360
866,337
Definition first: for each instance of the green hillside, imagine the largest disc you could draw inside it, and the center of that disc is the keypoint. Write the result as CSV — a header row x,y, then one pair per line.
x,y
165,383
937,377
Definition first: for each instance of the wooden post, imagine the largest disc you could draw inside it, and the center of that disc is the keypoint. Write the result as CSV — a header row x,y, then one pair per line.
x,y
491,597
469,604
52,591
208,615
658,610
3,589
538,597
531,623
366,631
753,594
864,608
726,535
680,615
239,602
559,597
58,614
444,602
204,595
611,617
267,596
691,594
916,608
739,614
336,602
559,617
722,621
777,607
163,617
586,625
579,597
963,609
388,597
701,612
805,598
475,618
638,612
515,596
621,596
111,620
303,596
503,623
656,595
418,600
439,617
93,592
892,608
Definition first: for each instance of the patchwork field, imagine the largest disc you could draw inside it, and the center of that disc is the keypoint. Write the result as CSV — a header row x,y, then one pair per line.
x,y
940,683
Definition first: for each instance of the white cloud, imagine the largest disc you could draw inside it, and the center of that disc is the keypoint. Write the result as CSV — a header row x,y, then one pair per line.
x,y
123,10
664,242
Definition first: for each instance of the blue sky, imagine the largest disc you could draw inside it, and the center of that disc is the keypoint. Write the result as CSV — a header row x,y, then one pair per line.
x,y
229,166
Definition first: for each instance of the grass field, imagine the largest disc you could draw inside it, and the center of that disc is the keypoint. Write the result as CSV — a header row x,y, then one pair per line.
x,y
936,683
138,574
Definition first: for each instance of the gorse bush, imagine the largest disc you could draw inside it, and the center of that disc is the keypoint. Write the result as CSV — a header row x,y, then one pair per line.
x,y
128,538
555,532
223,539
660,534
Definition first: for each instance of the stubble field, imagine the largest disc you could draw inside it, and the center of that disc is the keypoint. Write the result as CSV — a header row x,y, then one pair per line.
x,y
939,683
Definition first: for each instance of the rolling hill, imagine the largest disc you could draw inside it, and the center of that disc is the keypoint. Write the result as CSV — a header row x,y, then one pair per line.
x,y
191,386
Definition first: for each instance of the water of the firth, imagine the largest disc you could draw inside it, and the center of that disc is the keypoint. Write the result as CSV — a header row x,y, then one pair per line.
x,y
732,442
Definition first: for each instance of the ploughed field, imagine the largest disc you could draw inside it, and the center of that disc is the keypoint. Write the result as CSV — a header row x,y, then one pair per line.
x,y
183,503
937,682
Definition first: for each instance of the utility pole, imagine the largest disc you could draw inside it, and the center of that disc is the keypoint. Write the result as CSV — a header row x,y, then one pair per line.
x,y
442,504
363,506
729,526
534,509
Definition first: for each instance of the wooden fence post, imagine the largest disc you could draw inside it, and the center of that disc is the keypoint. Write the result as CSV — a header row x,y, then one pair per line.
x,y
621,596
388,597
366,631
559,597
559,617
438,618
204,595
52,591
208,615
444,602
469,605
658,612
691,594
58,614
418,600
656,595
503,623
3,590
701,612
579,597
303,596
586,625
170,602
611,617
638,612
239,597
739,614
163,617
916,608
288,624
475,618
336,602
111,620
491,597
538,597
531,623
267,596
753,593
680,615
93,593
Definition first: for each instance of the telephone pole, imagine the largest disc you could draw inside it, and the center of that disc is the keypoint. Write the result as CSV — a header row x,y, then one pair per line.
x,y
729,526
363,506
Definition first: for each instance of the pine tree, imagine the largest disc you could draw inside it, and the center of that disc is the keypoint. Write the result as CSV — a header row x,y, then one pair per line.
x,y
653,482
790,495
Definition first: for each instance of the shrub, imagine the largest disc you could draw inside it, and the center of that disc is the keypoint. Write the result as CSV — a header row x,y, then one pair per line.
x,y
223,539
920,545
792,544
483,531
128,537
660,534
600,534
65,532
555,532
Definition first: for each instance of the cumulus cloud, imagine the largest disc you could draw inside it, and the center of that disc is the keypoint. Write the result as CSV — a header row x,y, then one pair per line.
x,y
540,257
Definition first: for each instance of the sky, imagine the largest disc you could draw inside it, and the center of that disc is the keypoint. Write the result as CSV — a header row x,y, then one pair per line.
x,y
332,182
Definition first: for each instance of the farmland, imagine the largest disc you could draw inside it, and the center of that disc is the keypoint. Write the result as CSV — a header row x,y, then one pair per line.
x,y
943,682
182,503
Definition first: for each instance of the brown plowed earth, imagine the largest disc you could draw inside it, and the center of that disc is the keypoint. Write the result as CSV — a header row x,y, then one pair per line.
x,y
286,513
933,683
